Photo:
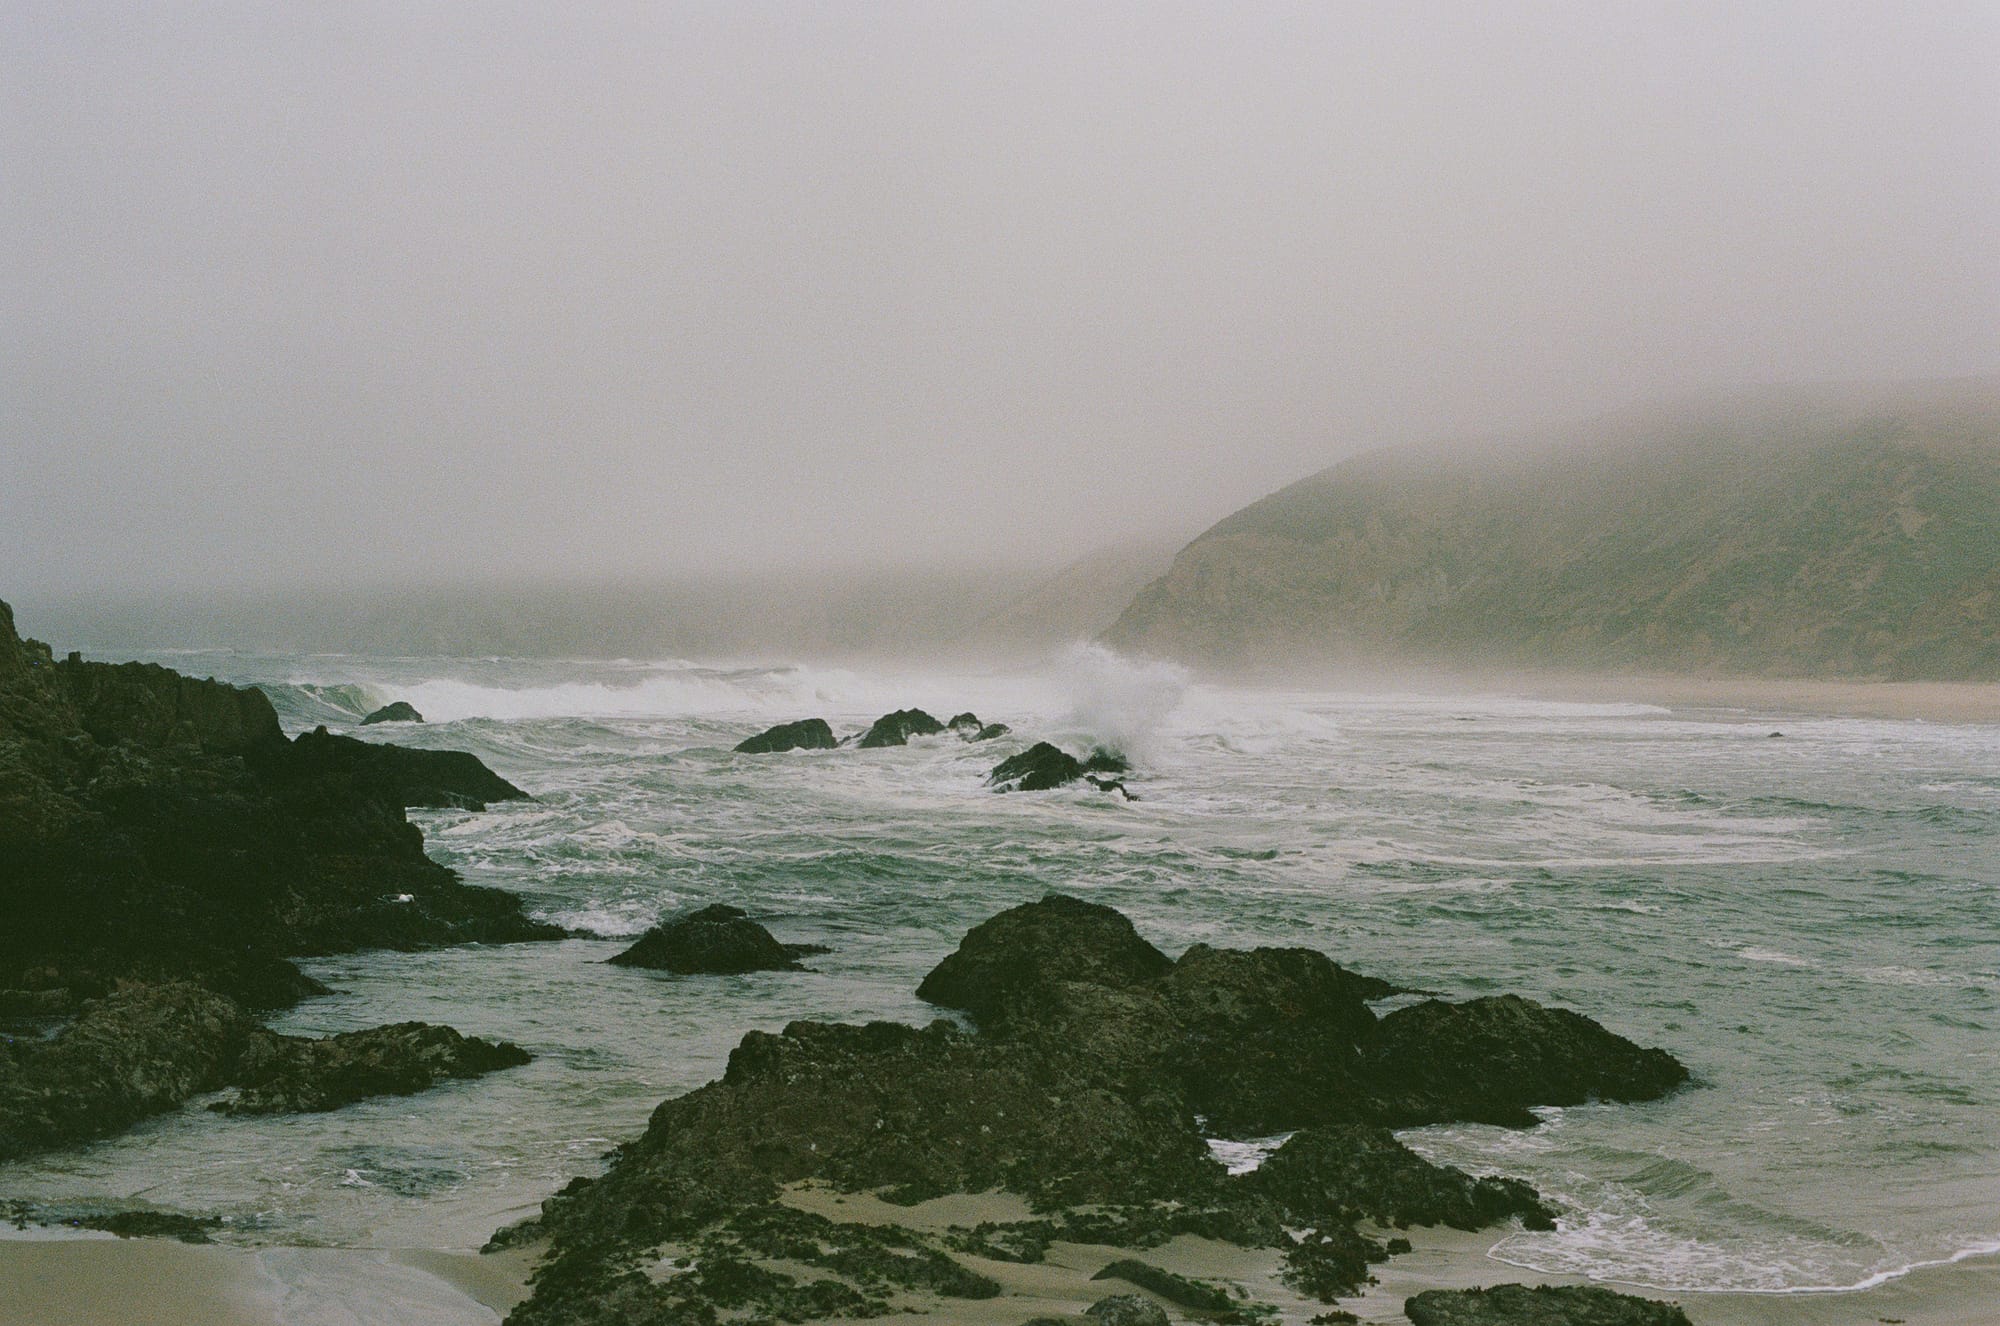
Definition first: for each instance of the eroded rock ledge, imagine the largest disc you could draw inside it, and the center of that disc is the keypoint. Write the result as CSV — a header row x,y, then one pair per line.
x,y
1081,1090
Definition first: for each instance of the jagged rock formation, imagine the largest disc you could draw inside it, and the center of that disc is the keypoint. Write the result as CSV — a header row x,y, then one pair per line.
x,y
166,851
806,734
1078,1091
717,940
1829,532
156,826
396,711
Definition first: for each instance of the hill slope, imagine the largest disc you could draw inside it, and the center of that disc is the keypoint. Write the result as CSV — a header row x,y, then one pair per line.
x,y
1849,532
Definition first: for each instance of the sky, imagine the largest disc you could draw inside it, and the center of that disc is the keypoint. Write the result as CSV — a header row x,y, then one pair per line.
x,y
364,293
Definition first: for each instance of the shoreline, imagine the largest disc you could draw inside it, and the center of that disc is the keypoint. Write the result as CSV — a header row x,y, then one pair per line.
x,y
87,1279
1922,701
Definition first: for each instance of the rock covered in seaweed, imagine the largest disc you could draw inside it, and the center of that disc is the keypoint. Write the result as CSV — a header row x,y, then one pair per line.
x,y
1543,1305
396,711
295,1074
716,940
806,734
897,728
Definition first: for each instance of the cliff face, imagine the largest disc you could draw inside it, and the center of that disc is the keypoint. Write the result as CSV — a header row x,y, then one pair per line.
x,y
1837,533
159,826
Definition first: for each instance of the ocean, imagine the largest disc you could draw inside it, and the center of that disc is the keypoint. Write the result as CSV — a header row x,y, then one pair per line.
x,y
1805,910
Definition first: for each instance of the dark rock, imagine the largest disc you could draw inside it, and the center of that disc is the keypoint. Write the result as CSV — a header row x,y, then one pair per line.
x,y
966,725
1341,1173
1488,1060
1014,959
295,1075
1078,1092
150,1225
896,729
140,1051
451,778
717,940
990,731
396,711
1126,1310
1043,766
1270,1037
1544,1305
806,734
1176,1289
158,827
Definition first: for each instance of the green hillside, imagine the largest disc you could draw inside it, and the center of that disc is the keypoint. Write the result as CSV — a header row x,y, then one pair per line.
x,y
1836,532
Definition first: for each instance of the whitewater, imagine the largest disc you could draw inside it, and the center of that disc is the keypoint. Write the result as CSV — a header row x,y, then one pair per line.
x,y
1802,909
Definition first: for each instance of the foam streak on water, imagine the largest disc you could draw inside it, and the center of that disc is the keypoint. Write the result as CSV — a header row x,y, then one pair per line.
x,y
1810,923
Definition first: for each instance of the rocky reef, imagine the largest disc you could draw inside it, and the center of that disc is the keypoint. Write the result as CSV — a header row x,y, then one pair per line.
x,y
1097,1071
716,940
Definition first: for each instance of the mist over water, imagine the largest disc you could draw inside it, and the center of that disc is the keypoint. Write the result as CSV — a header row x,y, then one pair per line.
x,y
1802,920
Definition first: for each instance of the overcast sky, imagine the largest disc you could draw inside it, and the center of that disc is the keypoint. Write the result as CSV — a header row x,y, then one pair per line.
x,y
355,292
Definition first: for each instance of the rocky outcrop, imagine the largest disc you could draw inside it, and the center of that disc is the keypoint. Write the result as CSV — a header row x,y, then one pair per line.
x,y
158,827
1544,1305
449,778
717,940
299,1075
806,734
1126,1310
1043,766
896,729
1008,965
1489,1060
396,711
1078,1091
147,1049
142,1050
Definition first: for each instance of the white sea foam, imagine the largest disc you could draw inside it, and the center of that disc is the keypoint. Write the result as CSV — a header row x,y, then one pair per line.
x,y
1120,703
1244,1156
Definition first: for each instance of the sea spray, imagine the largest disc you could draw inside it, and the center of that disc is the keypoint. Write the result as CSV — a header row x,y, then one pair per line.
x,y
1118,704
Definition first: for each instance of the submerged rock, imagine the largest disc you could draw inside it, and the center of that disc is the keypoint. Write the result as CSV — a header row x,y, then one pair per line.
x,y
296,1075
717,940
990,731
396,711
806,734
1544,1305
896,729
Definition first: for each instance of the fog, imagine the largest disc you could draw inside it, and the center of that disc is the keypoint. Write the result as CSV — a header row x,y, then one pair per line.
x,y
363,294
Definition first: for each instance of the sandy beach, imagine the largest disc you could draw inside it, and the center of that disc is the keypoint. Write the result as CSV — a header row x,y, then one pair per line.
x,y
1929,701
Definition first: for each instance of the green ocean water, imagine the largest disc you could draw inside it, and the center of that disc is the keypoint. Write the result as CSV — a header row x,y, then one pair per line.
x,y
1810,921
